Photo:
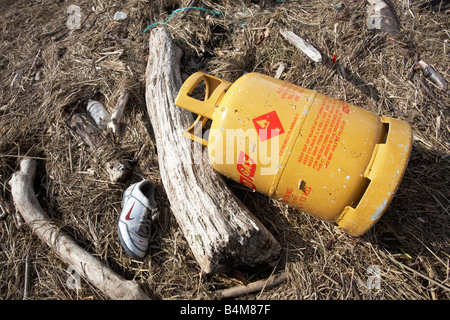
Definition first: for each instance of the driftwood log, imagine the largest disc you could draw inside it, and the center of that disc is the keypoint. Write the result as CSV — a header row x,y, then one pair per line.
x,y
85,264
220,230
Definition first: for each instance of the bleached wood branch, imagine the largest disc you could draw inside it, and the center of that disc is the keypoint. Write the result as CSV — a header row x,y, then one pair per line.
x,y
118,112
84,263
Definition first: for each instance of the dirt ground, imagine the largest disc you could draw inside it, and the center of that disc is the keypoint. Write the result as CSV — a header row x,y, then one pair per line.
x,y
49,69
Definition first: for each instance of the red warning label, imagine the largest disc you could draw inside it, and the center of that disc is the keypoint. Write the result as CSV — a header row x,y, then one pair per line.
x,y
290,91
246,167
323,137
268,125
297,198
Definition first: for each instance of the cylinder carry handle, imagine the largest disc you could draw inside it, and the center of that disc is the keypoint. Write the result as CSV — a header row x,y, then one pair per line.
x,y
215,88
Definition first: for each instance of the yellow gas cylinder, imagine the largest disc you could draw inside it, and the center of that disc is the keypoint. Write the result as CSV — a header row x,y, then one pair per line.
x,y
330,159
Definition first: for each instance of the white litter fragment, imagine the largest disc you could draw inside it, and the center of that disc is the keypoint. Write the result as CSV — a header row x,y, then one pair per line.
x,y
302,44
280,70
381,17
119,15
433,74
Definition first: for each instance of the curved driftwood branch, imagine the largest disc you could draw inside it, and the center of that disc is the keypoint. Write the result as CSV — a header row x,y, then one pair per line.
x,y
220,230
86,265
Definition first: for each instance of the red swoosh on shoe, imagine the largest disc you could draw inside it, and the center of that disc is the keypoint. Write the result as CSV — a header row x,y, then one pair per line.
x,y
127,217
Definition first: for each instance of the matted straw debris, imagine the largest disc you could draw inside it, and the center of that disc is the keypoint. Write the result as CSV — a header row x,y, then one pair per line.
x,y
49,71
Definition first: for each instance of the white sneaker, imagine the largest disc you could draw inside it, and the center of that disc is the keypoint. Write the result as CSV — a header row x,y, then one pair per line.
x,y
138,210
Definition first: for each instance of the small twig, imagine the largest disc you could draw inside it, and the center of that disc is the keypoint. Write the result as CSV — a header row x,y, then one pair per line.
x,y
431,94
62,36
34,62
252,287
443,286
4,209
15,78
87,17
247,41
110,36
193,3
390,105
367,45
50,33
26,286
353,286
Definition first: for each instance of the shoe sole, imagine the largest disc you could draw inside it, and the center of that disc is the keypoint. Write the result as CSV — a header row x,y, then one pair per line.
x,y
125,247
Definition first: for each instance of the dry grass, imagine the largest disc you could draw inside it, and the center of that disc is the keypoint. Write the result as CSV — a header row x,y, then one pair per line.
x,y
48,70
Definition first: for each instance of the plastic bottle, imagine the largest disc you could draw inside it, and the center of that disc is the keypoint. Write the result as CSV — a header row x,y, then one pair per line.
x,y
98,113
